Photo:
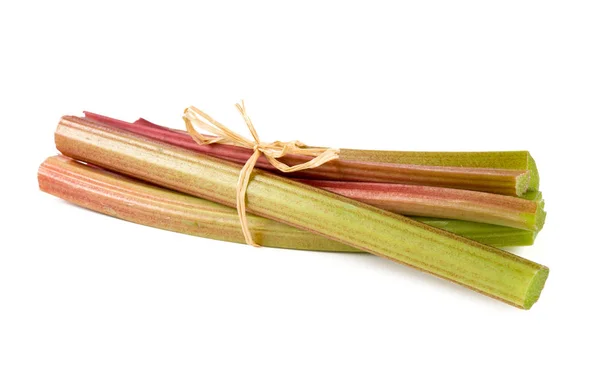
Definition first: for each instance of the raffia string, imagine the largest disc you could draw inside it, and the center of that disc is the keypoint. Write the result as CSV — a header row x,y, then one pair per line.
x,y
194,117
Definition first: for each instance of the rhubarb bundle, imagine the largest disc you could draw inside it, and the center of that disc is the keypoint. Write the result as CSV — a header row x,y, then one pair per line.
x,y
461,204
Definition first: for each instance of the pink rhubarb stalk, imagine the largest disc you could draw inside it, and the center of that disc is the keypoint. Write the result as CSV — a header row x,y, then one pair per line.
x,y
430,201
136,201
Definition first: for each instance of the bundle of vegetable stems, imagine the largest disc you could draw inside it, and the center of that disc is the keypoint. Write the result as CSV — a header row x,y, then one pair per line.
x,y
460,205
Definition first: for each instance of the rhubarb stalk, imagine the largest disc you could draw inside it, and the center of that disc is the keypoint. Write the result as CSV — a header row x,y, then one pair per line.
x,y
430,201
136,201
511,182
520,160
486,269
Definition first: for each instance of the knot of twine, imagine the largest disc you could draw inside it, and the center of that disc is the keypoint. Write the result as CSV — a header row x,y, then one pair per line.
x,y
194,117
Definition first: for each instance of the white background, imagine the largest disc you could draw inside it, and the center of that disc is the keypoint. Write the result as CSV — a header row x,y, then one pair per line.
x,y
85,295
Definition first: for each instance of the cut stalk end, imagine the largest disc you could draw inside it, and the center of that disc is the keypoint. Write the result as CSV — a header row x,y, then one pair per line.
x,y
523,183
535,288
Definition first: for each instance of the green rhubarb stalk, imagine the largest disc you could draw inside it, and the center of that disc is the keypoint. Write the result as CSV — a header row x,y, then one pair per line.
x,y
135,201
520,160
483,268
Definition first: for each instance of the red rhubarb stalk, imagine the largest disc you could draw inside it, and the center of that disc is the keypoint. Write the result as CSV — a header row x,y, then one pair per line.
x,y
501,181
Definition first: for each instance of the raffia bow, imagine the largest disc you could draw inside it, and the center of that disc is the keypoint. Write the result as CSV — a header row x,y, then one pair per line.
x,y
194,117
